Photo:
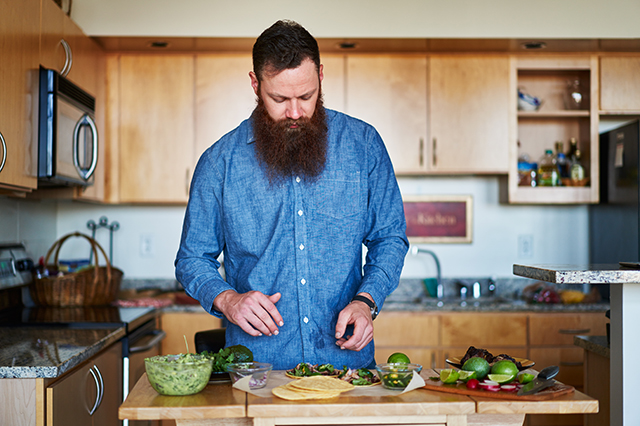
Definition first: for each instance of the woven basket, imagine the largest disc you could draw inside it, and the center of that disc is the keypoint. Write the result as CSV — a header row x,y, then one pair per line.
x,y
93,286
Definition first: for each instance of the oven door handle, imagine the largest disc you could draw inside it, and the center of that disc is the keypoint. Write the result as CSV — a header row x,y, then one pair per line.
x,y
159,335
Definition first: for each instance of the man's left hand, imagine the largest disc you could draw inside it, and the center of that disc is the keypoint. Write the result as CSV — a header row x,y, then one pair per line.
x,y
358,314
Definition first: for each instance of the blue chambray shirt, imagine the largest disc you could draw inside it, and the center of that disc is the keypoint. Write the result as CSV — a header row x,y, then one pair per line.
x,y
303,239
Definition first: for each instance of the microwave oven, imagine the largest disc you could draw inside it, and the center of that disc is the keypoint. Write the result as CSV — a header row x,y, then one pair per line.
x,y
67,133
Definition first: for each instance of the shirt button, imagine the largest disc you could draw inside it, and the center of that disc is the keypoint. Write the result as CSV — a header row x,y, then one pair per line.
x,y
301,246
305,319
303,281
299,212
297,178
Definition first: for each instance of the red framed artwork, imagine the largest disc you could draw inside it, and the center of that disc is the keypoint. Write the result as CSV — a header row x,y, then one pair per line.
x,y
439,218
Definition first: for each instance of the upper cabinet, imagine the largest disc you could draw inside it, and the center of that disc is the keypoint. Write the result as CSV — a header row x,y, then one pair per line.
x,y
18,83
151,127
390,93
620,84
469,104
66,49
567,88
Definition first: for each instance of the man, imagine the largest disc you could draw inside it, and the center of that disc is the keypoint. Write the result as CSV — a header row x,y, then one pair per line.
x,y
290,196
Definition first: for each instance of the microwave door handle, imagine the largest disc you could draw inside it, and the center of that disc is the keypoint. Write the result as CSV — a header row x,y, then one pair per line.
x,y
86,120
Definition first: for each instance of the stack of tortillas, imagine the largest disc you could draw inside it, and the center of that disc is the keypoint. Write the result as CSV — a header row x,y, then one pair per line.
x,y
314,387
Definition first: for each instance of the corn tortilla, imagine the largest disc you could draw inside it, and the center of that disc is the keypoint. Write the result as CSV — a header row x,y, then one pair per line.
x,y
321,383
293,394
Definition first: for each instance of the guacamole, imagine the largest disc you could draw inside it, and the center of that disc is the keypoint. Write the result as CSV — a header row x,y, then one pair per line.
x,y
182,374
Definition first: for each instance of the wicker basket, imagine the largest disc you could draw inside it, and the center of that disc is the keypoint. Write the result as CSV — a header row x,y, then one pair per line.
x,y
93,286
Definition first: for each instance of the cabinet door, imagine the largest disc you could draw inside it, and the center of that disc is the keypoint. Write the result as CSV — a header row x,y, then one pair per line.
x,y
484,330
90,395
620,83
18,83
390,93
412,333
181,325
559,329
156,128
469,114
224,97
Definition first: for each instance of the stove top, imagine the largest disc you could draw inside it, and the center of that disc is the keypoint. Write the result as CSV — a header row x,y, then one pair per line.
x,y
85,317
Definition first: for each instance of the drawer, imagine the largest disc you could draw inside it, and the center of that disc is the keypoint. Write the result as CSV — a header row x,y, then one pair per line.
x,y
484,330
559,329
569,359
407,329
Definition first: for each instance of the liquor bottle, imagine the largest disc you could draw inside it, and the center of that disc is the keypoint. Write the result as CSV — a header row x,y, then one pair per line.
x,y
561,160
573,147
577,171
548,170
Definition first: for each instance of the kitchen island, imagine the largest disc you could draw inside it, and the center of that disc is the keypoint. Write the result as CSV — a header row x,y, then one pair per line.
x,y
625,316
375,405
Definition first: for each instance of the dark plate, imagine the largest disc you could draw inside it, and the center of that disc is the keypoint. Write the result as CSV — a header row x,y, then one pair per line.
x,y
219,377
455,362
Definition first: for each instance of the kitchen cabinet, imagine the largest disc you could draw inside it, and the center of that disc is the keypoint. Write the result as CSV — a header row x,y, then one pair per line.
x,y
547,78
66,49
184,325
18,81
390,93
151,127
620,84
469,103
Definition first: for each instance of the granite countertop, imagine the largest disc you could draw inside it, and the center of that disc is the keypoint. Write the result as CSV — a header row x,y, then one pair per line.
x,y
580,274
595,344
48,352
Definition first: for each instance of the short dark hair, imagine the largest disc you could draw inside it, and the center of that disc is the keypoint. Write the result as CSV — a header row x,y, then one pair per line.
x,y
284,45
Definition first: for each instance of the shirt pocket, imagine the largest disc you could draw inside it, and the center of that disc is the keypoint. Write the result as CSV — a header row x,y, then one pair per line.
x,y
337,195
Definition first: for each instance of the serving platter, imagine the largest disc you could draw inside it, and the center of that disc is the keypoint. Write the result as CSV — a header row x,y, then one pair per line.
x,y
525,363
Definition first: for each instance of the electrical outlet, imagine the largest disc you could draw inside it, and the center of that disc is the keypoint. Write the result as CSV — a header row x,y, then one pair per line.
x,y
525,246
147,245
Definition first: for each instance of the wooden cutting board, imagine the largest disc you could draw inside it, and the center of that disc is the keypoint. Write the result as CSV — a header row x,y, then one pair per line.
x,y
461,389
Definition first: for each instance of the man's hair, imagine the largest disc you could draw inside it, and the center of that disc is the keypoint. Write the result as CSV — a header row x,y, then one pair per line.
x,y
284,45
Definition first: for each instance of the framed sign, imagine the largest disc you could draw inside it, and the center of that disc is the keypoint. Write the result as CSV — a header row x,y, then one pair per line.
x,y
438,218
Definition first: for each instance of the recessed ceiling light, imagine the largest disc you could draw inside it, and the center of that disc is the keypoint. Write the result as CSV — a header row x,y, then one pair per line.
x,y
159,44
533,45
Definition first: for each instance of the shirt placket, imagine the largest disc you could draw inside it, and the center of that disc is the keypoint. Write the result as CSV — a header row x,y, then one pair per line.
x,y
302,265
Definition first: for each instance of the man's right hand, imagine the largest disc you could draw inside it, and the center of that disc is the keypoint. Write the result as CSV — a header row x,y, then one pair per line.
x,y
253,311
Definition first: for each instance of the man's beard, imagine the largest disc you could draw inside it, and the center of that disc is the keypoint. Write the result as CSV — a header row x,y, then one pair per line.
x,y
286,151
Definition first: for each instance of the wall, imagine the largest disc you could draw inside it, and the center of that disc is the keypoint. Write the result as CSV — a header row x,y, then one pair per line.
x,y
363,18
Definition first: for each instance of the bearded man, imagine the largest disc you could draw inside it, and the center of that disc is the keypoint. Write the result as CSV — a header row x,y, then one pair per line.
x,y
290,197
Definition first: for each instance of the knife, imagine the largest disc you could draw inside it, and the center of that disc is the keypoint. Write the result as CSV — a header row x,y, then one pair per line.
x,y
542,381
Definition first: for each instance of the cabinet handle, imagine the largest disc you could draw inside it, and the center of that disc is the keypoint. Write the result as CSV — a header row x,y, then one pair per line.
x,y
98,391
4,152
186,182
421,152
433,360
68,58
571,364
159,335
574,331
434,156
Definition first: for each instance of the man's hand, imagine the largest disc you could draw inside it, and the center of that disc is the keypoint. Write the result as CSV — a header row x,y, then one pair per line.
x,y
358,314
253,311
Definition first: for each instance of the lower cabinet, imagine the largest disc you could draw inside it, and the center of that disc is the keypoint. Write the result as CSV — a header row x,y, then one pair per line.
x,y
181,328
429,338
90,395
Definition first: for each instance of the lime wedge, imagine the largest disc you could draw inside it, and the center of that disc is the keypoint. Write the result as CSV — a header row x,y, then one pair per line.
x,y
449,375
525,378
465,376
501,378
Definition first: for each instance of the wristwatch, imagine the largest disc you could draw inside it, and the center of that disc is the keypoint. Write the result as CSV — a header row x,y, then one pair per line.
x,y
372,305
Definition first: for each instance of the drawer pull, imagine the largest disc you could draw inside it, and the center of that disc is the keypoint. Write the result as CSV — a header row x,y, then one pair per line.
x,y
571,364
433,360
575,331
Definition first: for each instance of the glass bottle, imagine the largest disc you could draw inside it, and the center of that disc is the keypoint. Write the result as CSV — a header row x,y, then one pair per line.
x,y
577,171
574,95
561,160
548,170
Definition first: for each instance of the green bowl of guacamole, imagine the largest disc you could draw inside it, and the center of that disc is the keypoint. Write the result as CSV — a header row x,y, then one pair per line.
x,y
182,374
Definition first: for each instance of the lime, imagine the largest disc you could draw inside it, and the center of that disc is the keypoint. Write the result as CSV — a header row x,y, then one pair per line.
x,y
479,365
398,357
525,377
449,375
505,367
501,378
465,376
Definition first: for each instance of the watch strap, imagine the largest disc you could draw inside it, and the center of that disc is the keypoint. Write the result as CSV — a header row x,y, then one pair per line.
x,y
372,305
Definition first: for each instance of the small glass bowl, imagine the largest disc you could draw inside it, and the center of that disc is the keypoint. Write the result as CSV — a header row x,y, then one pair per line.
x,y
178,374
259,372
397,375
